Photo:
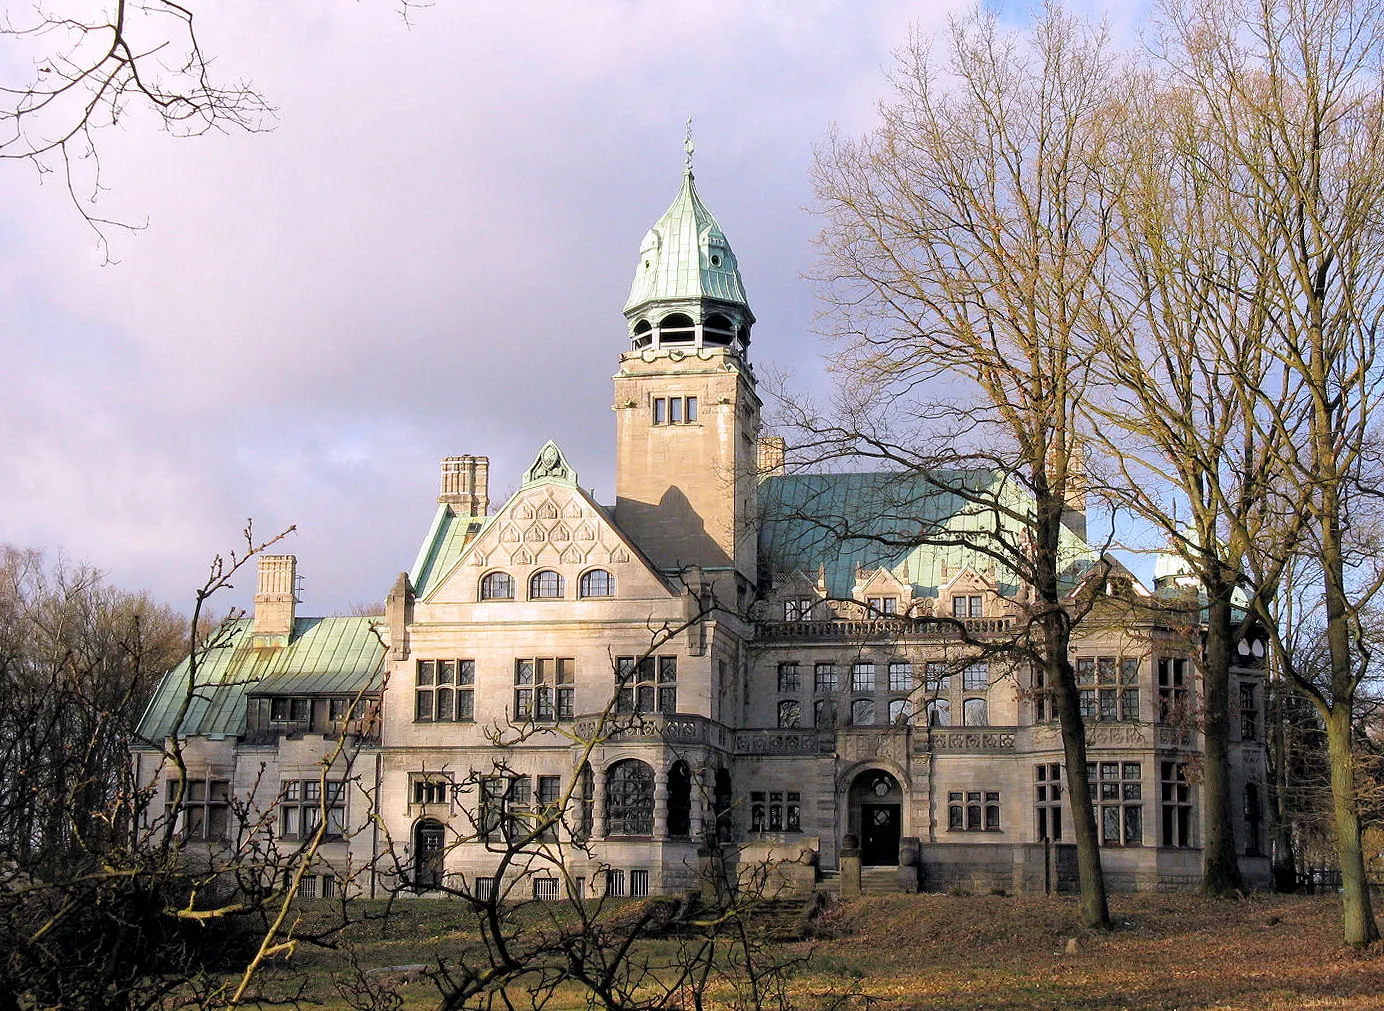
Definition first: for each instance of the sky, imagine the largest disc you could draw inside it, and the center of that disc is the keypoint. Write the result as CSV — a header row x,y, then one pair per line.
x,y
425,256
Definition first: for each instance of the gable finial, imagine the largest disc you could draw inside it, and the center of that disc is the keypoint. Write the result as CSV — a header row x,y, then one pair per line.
x,y
688,146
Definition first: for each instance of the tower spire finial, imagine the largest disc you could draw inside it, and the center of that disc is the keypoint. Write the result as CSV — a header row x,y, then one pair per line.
x,y
688,146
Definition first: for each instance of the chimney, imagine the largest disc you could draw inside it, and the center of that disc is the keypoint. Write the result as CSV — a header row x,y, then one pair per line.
x,y
466,484
1074,499
772,449
275,597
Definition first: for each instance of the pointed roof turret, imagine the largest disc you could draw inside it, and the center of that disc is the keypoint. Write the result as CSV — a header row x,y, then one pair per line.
x,y
687,266
686,255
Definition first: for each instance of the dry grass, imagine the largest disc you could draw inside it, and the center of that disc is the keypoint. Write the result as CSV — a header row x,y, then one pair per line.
x,y
1167,951
956,953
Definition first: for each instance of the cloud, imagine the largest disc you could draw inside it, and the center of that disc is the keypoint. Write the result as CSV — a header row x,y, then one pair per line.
x,y
426,256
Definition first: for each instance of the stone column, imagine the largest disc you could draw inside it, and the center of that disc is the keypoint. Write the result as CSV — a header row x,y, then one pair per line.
x,y
696,818
598,808
660,800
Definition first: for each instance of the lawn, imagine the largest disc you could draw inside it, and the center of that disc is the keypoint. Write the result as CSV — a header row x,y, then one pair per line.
x,y
996,952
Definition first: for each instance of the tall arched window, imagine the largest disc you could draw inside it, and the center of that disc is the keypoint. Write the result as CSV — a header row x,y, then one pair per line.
x,y
497,586
630,799
596,583
546,585
680,801
429,838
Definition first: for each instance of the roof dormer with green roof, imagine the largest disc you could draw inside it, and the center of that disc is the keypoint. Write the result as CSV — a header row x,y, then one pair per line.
x,y
687,290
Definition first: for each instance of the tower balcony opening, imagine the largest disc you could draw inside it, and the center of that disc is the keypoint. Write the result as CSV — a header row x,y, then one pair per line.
x,y
676,328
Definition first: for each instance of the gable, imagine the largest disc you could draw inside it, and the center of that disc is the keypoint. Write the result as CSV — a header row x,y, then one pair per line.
x,y
548,525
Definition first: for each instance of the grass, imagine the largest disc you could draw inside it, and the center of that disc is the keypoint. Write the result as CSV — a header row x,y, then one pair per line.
x,y
957,953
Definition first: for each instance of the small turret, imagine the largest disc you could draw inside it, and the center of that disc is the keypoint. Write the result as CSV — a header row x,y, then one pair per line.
x,y
687,290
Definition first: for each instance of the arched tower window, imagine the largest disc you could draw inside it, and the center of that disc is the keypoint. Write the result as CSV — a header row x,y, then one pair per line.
x,y
630,799
429,838
546,585
497,586
643,334
717,329
596,583
676,328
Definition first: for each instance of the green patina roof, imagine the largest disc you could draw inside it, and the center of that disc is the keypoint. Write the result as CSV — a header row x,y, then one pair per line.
x,y
323,656
676,256
451,532
847,521
446,540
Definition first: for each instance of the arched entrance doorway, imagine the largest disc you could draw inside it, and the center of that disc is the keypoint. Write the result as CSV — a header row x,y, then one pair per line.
x,y
876,815
429,839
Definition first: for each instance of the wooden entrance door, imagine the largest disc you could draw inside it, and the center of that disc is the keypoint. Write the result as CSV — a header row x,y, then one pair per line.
x,y
879,835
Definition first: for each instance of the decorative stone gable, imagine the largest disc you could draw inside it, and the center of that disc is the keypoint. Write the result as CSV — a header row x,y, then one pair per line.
x,y
548,523
550,465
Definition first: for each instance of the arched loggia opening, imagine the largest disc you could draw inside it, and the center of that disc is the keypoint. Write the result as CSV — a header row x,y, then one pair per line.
x,y
679,801
722,806
717,330
676,328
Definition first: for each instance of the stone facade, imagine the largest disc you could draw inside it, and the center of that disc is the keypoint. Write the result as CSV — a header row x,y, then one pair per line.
x,y
688,672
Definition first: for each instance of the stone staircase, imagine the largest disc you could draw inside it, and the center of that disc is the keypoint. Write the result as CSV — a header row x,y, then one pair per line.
x,y
879,880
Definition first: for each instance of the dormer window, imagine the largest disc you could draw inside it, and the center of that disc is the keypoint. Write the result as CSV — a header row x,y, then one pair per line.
x,y
883,605
972,606
797,609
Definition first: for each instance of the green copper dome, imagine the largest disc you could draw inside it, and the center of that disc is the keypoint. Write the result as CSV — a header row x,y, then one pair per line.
x,y
685,257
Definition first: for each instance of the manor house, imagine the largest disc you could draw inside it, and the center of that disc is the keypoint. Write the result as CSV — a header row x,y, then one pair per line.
x,y
728,658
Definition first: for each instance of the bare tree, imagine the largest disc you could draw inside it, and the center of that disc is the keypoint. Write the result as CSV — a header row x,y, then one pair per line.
x,y
94,69
1183,361
964,239
1291,91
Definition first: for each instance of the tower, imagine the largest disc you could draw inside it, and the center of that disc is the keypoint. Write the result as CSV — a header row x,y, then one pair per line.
x,y
687,415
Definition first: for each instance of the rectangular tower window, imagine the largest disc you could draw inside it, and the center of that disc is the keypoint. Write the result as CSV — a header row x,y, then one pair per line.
x,y
1249,713
674,410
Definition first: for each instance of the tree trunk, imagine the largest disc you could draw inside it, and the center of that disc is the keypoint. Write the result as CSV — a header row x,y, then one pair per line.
x,y
1357,912
1220,863
1095,912
1056,655
1284,866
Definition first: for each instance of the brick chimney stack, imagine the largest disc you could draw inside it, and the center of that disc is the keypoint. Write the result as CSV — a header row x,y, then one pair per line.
x,y
466,484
